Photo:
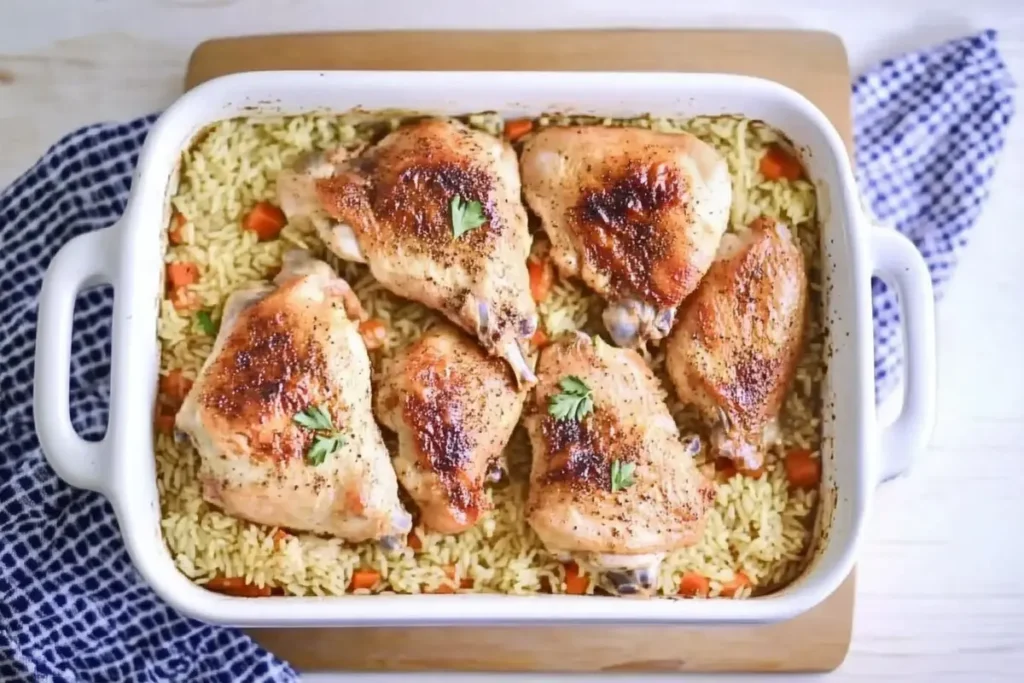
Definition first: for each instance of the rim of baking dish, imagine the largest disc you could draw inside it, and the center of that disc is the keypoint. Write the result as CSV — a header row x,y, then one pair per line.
x,y
129,442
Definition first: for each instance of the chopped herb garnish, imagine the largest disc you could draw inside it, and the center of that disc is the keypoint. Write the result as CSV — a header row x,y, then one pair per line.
x,y
466,216
327,440
315,418
622,475
206,323
574,402
324,446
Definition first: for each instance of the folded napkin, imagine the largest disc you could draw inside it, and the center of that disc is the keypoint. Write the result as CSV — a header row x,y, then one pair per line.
x,y
928,128
72,608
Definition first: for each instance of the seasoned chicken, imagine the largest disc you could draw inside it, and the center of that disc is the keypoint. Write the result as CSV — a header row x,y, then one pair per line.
x,y
454,409
297,195
281,413
612,484
435,210
739,338
637,215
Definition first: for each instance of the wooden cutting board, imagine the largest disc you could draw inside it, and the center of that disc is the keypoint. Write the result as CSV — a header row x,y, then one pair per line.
x,y
812,63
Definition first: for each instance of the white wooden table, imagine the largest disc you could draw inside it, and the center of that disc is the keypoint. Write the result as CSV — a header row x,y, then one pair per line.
x,y
939,597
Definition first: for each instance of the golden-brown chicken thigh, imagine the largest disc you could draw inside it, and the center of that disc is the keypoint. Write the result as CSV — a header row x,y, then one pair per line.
x,y
435,210
739,338
454,408
281,413
612,484
636,214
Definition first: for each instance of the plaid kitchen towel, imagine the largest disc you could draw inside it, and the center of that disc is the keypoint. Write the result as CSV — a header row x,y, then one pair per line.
x,y
929,126
928,129
72,608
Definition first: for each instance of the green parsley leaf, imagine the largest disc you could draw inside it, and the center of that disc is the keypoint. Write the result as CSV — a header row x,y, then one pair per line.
x,y
573,384
323,417
206,323
327,439
466,216
575,401
622,475
315,418
324,446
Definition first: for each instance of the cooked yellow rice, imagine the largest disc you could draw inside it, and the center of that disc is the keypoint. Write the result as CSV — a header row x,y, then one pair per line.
x,y
758,526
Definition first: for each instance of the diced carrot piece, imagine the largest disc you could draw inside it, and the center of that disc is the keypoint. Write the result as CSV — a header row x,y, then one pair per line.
x,y
280,536
414,541
164,423
236,585
374,333
694,585
225,582
803,470
185,300
176,234
755,474
444,589
181,274
725,468
542,277
364,578
733,587
539,339
448,586
777,164
770,167
175,385
575,582
517,128
452,584
266,220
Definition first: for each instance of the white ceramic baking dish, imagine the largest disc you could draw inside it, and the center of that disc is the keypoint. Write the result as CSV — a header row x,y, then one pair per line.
x,y
129,255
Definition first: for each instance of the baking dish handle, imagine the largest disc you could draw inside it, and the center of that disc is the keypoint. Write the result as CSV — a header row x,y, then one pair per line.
x,y
898,262
86,261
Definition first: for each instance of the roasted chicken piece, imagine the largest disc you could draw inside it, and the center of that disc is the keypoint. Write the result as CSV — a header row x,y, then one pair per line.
x,y
454,408
297,195
281,412
636,214
435,210
612,483
739,338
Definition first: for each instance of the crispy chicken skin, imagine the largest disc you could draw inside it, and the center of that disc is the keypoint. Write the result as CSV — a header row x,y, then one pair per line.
x,y
392,208
454,408
636,214
622,535
281,350
739,338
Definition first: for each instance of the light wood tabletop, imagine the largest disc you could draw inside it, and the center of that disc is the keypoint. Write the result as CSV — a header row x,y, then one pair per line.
x,y
937,593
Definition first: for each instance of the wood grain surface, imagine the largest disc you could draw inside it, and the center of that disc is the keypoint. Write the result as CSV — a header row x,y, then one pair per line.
x,y
813,63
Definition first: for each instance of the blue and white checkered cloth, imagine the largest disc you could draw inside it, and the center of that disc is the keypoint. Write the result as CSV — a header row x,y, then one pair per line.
x,y
928,129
